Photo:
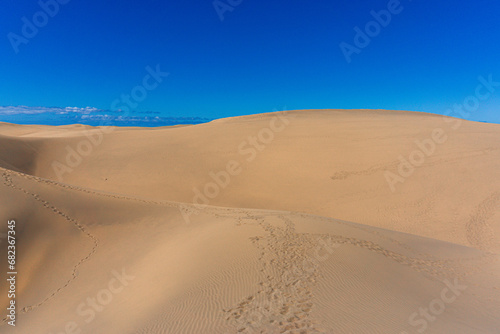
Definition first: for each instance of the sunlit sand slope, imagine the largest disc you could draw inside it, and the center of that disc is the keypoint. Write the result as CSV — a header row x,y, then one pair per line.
x,y
418,173
103,262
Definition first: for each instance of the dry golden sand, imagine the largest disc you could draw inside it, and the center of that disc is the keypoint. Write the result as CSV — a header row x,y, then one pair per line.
x,y
302,234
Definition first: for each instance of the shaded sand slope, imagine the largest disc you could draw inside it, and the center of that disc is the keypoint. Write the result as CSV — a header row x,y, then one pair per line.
x,y
331,163
230,269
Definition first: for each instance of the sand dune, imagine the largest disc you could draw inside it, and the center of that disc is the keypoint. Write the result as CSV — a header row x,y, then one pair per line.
x,y
301,231
329,163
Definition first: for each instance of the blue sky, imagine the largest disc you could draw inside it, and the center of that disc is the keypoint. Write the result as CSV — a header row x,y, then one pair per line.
x,y
263,56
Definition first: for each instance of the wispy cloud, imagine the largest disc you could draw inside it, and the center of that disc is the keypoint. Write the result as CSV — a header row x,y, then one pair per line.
x,y
90,116
14,110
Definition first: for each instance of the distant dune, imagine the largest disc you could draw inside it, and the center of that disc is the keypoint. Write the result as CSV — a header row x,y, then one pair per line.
x,y
312,221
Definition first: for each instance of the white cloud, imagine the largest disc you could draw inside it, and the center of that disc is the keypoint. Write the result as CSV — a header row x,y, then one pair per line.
x,y
14,110
90,115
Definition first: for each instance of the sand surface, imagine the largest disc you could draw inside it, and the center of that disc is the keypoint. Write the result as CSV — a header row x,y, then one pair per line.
x,y
318,221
